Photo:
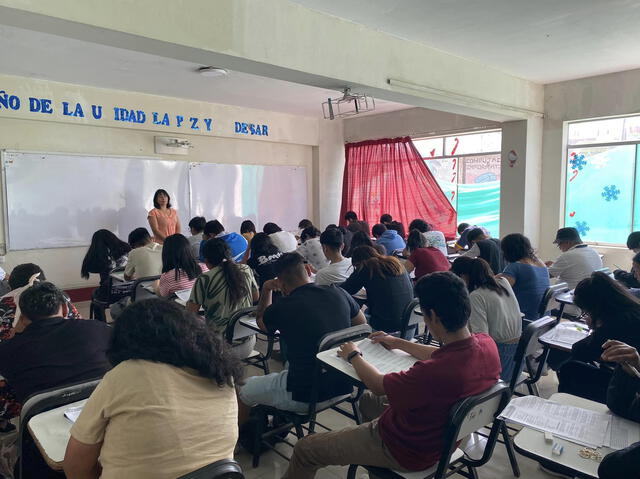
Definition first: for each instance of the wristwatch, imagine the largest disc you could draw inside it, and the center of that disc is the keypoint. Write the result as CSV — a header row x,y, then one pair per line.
x,y
352,355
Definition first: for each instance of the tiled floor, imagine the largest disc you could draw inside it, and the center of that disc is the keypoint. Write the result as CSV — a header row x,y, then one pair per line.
x,y
273,466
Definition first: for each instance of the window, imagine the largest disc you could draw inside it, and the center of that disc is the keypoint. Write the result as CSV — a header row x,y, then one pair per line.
x,y
602,173
467,168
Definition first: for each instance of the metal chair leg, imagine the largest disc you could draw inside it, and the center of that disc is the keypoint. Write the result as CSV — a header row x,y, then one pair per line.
x,y
508,443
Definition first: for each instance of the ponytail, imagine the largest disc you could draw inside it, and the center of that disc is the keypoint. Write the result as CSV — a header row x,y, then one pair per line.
x,y
217,253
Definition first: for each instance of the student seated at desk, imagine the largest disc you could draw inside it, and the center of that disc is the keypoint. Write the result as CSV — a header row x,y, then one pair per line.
x,y
623,398
248,230
237,244
390,239
432,237
361,238
339,267
263,257
225,288
145,258
105,253
304,314
354,225
168,406
463,230
408,412
179,266
196,227
630,279
388,287
527,275
311,249
494,308
422,258
482,246
50,350
284,241
612,313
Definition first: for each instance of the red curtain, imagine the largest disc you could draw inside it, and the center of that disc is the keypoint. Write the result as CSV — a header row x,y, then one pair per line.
x,y
390,176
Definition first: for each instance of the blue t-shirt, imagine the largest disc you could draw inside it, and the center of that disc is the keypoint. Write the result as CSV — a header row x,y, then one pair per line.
x,y
531,283
237,244
391,241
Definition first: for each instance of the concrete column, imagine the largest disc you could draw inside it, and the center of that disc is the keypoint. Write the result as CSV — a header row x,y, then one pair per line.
x,y
328,171
520,183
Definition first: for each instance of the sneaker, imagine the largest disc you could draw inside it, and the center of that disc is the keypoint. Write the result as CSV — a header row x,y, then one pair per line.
x,y
553,473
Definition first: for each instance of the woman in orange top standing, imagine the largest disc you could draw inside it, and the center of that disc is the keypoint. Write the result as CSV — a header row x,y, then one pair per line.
x,y
163,219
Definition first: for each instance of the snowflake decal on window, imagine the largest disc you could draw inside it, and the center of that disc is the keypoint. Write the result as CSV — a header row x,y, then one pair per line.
x,y
610,193
582,228
577,162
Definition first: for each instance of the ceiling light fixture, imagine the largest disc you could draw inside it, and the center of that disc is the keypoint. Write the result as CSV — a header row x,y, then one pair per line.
x,y
212,72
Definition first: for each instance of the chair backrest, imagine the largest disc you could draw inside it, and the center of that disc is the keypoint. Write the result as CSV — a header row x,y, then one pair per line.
x,y
234,329
528,345
354,333
409,317
550,293
47,400
139,283
222,469
470,415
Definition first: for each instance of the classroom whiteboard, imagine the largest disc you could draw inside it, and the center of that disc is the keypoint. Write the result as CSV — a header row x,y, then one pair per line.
x,y
233,193
55,200
60,200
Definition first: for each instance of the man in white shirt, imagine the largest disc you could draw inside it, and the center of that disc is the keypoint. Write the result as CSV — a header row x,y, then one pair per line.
x,y
145,259
339,268
196,226
286,242
577,261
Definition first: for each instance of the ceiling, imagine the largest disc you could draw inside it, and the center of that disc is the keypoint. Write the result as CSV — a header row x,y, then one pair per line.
x,y
543,41
51,57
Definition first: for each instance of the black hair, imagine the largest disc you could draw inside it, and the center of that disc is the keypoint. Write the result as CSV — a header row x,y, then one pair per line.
x,y
350,216
515,247
447,296
462,227
308,233
162,332
399,227
105,249
158,193
305,223
42,300
386,218
217,253
290,264
606,300
261,245
378,229
21,274
271,228
213,228
633,240
360,238
139,237
474,234
197,223
636,259
247,226
332,238
420,225
415,240
178,255
479,273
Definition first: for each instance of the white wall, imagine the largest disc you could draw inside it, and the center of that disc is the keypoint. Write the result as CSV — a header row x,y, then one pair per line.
x,y
600,96
53,134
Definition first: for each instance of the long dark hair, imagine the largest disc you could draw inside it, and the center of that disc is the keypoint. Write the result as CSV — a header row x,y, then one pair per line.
x,y
368,259
261,245
178,255
479,273
217,253
105,248
605,300
161,331
415,240
155,198
360,238
516,247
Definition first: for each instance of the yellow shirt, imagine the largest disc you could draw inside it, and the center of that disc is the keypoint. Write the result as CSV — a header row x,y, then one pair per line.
x,y
158,421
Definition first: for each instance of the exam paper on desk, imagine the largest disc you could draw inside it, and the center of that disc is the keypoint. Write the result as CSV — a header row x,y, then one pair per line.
x,y
384,360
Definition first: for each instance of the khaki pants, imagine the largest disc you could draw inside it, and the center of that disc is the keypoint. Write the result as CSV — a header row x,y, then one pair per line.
x,y
352,445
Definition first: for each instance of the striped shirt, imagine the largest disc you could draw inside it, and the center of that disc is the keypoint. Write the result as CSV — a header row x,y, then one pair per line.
x,y
169,284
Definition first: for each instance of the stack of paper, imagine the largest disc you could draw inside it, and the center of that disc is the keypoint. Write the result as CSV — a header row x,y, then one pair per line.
x,y
384,360
566,333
